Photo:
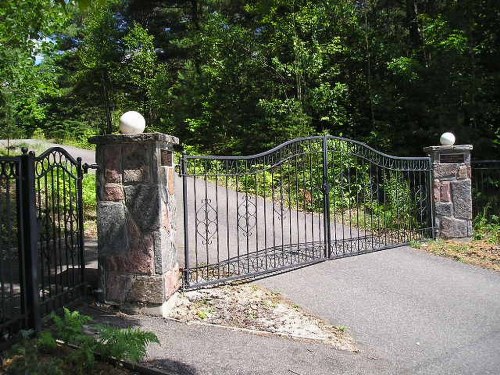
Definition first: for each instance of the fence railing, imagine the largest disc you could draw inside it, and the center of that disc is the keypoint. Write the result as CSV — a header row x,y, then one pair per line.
x,y
41,237
486,187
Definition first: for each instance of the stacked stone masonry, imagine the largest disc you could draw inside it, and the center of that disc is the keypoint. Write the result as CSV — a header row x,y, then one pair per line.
x,y
452,192
137,255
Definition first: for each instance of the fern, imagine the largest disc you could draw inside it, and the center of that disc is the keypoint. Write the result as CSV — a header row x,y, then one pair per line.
x,y
127,343
69,328
122,344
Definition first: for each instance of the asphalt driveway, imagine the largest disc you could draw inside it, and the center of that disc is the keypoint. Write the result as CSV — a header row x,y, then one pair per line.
x,y
421,313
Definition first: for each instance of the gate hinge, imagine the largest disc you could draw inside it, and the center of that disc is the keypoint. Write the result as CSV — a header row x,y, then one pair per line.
x,y
326,187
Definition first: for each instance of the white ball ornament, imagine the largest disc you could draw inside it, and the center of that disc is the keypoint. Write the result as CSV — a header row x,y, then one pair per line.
x,y
447,139
132,122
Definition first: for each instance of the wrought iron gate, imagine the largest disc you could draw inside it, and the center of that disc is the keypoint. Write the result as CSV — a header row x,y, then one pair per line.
x,y
41,237
305,201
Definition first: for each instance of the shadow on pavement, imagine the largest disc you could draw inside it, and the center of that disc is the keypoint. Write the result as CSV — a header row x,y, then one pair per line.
x,y
171,366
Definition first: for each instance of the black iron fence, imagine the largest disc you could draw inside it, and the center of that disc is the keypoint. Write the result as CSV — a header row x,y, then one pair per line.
x,y
41,237
486,187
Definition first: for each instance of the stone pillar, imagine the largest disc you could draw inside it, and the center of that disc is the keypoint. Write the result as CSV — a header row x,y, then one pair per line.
x,y
135,218
452,190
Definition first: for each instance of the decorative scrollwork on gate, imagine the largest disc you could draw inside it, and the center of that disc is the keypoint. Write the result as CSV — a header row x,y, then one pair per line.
x,y
206,221
247,216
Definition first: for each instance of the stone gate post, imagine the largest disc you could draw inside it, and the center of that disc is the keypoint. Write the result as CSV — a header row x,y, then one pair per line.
x,y
135,218
452,192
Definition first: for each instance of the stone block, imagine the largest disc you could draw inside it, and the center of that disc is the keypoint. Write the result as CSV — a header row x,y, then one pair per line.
x,y
444,209
136,175
147,289
138,260
462,199
444,193
113,193
454,228
112,228
112,175
437,190
167,215
442,171
165,251
171,181
137,156
112,155
464,172
117,286
172,281
143,204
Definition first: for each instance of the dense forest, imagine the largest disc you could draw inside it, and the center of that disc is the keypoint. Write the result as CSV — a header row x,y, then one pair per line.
x,y
238,77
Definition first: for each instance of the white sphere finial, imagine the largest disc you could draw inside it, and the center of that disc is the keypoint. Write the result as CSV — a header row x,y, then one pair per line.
x,y
132,122
447,139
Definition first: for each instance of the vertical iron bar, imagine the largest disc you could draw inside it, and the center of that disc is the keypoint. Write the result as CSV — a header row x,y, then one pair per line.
x,y
217,217
296,172
281,213
237,218
194,176
81,244
30,239
257,214
273,212
430,176
227,216
247,217
186,224
264,188
326,200
207,219
290,204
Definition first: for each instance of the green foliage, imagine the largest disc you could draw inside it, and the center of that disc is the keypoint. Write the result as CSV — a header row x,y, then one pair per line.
x,y
69,327
24,84
241,77
487,227
122,344
89,192
127,343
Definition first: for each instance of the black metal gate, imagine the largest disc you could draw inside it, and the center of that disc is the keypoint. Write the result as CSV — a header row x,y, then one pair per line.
x,y
41,237
305,201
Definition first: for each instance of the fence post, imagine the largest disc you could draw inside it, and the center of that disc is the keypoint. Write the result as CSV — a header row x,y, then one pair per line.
x,y
135,222
452,193
29,249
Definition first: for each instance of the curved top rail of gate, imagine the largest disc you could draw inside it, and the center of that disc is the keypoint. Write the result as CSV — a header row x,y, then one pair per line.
x,y
265,159
58,157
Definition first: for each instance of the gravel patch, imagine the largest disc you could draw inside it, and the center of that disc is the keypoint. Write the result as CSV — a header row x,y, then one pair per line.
x,y
255,308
